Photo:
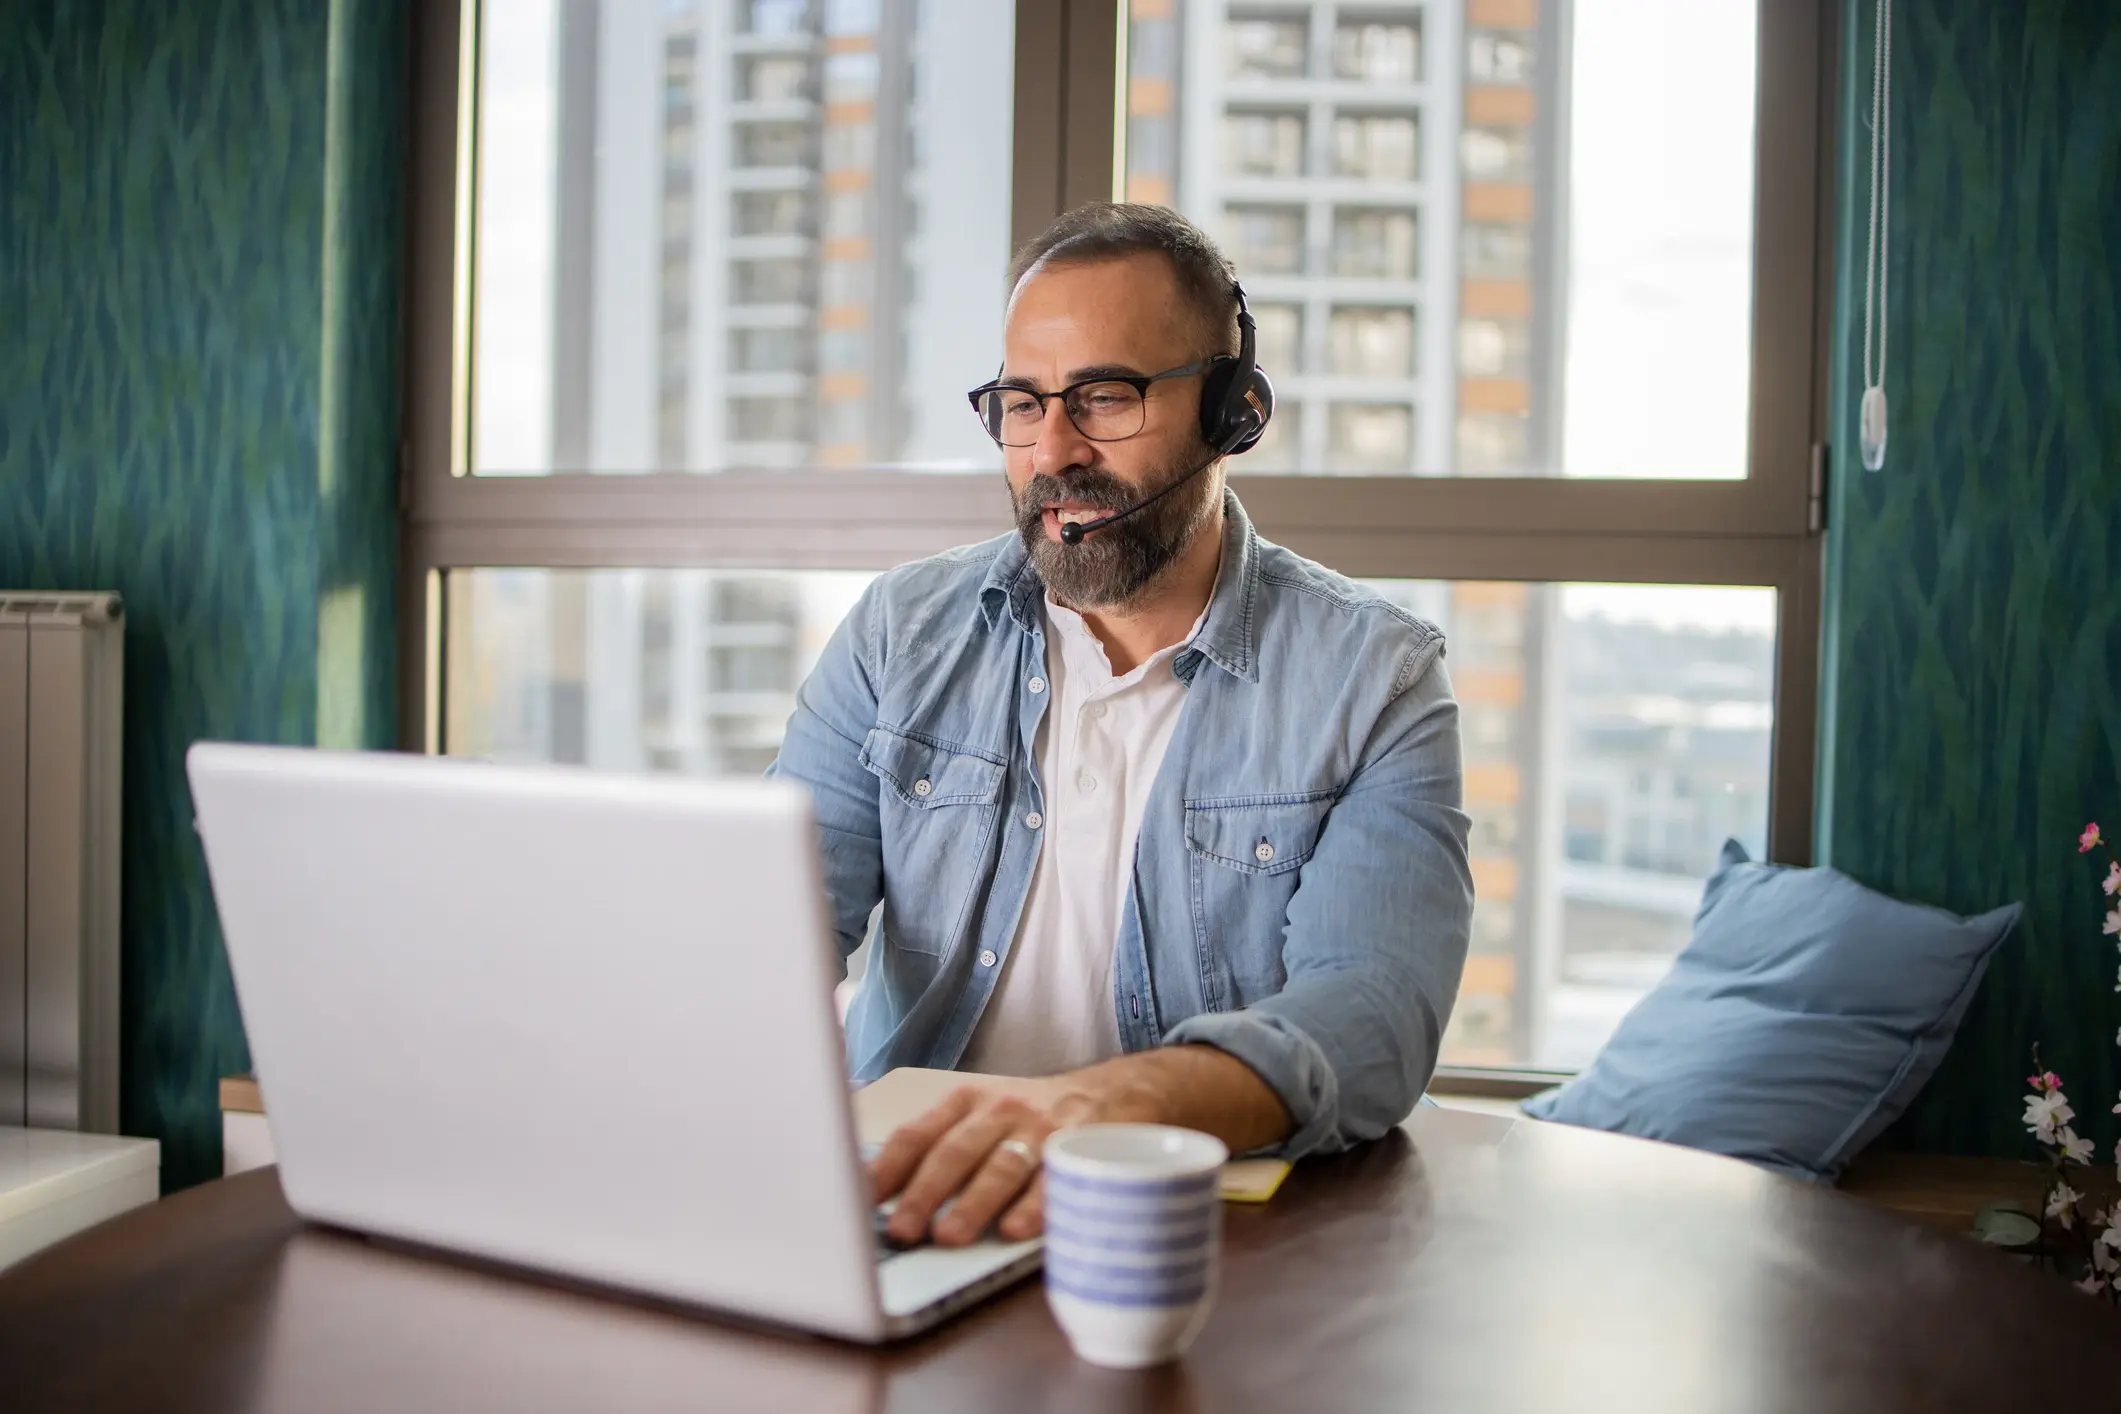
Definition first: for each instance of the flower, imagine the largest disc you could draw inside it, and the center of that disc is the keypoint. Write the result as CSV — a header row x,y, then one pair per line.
x,y
2089,838
2062,1204
2103,1256
2092,1284
2074,1149
2113,877
2113,921
2046,1080
2043,1113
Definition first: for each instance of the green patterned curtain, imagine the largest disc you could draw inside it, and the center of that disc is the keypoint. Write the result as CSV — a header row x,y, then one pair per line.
x,y
1972,660
199,269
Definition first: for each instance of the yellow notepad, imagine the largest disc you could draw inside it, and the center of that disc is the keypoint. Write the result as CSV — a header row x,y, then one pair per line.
x,y
1252,1180
908,1093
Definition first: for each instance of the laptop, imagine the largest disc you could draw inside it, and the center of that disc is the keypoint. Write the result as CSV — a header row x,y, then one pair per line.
x,y
570,1022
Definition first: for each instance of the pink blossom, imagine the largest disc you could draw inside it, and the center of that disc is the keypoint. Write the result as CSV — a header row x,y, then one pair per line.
x,y
2089,838
2046,1080
2092,1284
2113,877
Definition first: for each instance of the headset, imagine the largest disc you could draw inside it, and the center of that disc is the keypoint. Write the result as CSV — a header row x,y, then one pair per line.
x,y
1236,404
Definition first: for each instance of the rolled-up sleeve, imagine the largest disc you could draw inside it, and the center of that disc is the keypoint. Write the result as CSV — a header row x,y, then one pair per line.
x,y
1376,936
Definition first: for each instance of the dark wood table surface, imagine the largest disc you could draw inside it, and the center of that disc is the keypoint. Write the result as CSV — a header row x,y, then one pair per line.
x,y
1464,1262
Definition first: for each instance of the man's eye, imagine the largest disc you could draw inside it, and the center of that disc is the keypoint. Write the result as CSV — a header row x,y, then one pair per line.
x,y
1105,400
1020,406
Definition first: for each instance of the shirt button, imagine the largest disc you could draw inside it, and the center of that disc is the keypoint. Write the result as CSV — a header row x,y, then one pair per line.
x,y
921,787
1096,710
1264,853
1086,781
1034,820
1036,684
986,959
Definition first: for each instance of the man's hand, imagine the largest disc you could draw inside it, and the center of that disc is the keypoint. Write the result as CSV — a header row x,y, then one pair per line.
x,y
961,1152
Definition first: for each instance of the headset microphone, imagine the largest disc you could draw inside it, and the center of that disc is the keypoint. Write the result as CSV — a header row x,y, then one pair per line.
x,y
1072,532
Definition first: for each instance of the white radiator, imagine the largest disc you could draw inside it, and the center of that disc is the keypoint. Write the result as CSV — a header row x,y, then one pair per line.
x,y
62,685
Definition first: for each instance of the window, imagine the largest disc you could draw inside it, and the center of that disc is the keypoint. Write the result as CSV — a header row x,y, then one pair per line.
x,y
1377,51
775,127
1496,154
1263,144
678,670
1376,148
770,281
770,351
777,80
1370,343
1493,348
1265,48
1371,437
1538,299
1577,179
1499,56
768,213
773,145
1270,239
1629,686
1374,245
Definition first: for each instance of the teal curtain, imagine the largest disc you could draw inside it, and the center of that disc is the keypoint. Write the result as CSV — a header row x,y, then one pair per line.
x,y
199,272
1971,724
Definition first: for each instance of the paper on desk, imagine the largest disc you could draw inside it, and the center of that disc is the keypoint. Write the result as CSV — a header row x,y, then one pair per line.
x,y
909,1092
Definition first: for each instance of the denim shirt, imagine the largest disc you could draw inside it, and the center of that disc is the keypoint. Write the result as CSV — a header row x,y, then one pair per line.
x,y
1300,897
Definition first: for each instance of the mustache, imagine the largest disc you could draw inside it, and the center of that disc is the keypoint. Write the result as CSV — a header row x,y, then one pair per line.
x,y
1098,489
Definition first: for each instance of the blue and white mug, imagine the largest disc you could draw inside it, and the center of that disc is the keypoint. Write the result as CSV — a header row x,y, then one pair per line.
x,y
1133,1238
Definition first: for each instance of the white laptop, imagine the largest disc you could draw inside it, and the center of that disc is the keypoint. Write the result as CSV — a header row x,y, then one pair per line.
x,y
571,1022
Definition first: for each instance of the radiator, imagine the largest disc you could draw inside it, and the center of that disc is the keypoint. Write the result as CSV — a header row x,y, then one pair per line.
x,y
62,667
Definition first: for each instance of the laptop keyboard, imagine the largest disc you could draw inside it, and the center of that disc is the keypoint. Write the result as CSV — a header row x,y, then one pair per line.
x,y
888,1246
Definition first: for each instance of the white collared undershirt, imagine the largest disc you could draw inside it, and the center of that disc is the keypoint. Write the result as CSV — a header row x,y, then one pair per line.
x,y
1099,747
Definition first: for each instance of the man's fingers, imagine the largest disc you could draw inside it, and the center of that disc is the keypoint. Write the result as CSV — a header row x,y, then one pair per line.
x,y
1010,1166
952,1160
1027,1216
910,1142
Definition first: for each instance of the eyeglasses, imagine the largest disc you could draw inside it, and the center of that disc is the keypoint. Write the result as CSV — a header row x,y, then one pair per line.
x,y
1102,409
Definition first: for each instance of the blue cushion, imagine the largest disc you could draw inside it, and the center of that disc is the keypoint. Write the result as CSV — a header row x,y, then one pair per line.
x,y
1802,1018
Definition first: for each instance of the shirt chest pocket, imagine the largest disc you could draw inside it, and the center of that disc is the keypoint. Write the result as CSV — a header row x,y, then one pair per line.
x,y
936,807
1244,857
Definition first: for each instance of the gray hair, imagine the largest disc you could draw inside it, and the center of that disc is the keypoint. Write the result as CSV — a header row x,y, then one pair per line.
x,y
1113,230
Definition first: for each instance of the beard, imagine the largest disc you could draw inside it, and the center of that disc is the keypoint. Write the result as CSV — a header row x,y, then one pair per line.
x,y
1110,567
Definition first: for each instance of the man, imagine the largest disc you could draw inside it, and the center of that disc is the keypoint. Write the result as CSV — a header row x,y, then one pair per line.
x,y
1155,809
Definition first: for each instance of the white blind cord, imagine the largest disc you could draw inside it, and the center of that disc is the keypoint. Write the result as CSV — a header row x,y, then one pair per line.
x,y
1875,267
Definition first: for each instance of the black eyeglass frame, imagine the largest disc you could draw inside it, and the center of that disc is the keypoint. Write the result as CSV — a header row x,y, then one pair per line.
x,y
1140,384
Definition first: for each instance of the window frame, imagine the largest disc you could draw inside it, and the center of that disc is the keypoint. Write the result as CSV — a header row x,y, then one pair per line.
x,y
1068,147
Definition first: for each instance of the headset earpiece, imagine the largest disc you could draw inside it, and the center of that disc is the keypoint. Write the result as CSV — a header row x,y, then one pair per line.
x,y
1236,400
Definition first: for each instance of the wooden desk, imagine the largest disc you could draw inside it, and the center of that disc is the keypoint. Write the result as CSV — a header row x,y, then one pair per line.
x,y
1463,1263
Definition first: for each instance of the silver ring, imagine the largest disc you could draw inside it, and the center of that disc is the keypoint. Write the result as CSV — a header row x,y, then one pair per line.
x,y
1019,1148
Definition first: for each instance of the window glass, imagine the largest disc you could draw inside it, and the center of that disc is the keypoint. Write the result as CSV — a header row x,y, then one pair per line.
x,y
1563,195
1273,48
1263,144
657,181
1376,147
1613,737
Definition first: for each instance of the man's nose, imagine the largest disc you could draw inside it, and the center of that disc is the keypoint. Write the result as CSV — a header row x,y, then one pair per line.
x,y
1060,443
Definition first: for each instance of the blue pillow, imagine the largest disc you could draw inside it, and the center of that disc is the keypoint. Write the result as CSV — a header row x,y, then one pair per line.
x,y
1802,1018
